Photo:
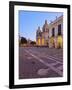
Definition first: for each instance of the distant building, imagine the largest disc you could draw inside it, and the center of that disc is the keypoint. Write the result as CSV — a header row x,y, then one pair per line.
x,y
51,34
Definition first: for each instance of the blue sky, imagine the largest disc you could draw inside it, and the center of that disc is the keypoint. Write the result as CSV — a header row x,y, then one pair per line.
x,y
30,20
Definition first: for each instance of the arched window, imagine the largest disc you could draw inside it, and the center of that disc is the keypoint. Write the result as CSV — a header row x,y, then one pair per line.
x,y
59,29
53,31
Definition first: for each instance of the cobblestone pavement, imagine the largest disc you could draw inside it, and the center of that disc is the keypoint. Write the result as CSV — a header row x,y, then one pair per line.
x,y
40,62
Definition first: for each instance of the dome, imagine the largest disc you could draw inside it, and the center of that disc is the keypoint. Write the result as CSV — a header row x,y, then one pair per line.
x,y
45,27
45,21
38,33
38,30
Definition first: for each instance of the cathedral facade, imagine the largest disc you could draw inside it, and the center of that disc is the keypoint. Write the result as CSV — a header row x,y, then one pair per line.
x,y
51,34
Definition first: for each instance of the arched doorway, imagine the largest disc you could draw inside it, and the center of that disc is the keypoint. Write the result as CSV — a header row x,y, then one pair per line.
x,y
59,29
53,31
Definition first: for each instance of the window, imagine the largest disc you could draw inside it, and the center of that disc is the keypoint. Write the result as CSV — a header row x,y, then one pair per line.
x,y
59,29
53,32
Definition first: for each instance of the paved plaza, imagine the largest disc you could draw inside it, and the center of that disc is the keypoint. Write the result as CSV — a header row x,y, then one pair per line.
x,y
40,62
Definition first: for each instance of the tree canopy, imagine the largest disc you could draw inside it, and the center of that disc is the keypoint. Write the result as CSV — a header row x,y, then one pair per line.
x,y
23,40
33,42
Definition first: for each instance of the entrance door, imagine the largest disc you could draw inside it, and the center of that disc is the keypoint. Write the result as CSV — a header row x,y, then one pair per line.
x,y
53,32
59,29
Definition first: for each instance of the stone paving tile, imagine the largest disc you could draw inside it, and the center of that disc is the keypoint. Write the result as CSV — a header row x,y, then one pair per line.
x,y
29,66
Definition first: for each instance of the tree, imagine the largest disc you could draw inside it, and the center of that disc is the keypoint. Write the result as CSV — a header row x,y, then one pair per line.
x,y
33,42
23,40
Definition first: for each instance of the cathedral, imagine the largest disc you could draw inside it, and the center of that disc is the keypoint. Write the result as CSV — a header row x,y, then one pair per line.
x,y
51,34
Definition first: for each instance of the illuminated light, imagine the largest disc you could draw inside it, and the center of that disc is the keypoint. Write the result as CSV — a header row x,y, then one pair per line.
x,y
39,41
59,41
52,40
42,41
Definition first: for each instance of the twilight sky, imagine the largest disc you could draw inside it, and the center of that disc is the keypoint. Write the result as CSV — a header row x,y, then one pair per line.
x,y
30,20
